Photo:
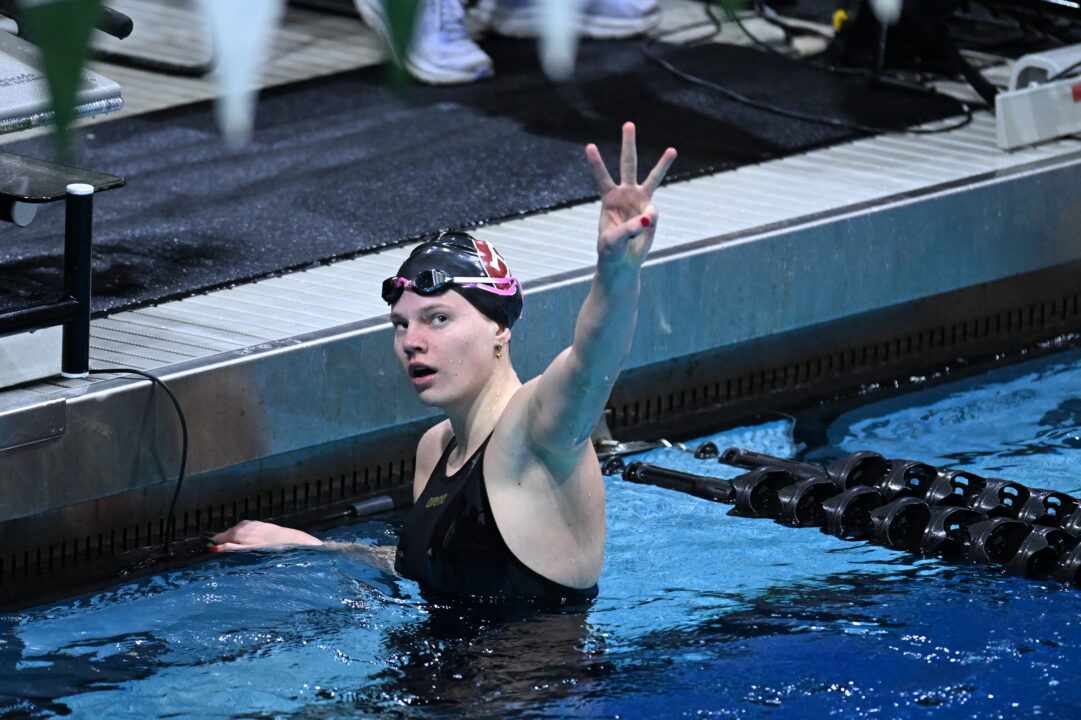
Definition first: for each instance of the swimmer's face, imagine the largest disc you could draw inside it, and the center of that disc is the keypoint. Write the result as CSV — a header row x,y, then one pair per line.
x,y
445,345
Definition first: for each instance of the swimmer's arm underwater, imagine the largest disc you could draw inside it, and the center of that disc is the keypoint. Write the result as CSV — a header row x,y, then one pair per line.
x,y
570,395
253,534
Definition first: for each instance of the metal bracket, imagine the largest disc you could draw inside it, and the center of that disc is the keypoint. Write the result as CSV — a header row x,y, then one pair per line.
x,y
36,423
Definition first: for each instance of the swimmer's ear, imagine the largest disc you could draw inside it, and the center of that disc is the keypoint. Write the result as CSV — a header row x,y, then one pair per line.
x,y
503,335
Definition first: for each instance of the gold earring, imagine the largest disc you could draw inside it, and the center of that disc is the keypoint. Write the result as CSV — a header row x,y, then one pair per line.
x,y
498,352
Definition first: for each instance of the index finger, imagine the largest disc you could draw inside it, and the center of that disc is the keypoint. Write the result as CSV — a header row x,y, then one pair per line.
x,y
600,172
656,175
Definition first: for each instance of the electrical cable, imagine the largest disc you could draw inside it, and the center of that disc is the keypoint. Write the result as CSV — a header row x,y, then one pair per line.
x,y
710,21
913,85
1064,72
149,64
796,115
1024,33
646,48
170,522
1046,26
909,79
771,16
758,42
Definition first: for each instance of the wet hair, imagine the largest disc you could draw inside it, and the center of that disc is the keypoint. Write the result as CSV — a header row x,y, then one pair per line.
x,y
459,254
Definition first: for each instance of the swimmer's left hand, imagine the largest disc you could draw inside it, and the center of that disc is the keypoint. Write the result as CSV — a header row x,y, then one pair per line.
x,y
252,534
628,217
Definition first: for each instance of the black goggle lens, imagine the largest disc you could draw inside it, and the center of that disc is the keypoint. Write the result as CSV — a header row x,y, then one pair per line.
x,y
427,282
391,290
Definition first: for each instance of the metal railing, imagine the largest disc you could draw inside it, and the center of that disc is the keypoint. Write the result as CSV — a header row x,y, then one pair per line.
x,y
35,182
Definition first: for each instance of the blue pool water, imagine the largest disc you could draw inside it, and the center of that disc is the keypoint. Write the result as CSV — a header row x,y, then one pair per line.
x,y
701,615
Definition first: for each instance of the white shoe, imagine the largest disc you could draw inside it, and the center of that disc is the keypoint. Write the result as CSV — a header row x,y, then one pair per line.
x,y
607,19
442,51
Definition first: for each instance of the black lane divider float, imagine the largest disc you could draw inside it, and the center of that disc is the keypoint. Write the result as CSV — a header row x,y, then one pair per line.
x,y
900,504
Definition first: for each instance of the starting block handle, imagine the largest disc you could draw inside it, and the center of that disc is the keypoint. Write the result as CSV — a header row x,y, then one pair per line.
x,y
79,213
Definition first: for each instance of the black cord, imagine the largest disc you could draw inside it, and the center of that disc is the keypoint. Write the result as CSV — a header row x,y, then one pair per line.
x,y
826,67
710,20
1064,72
744,100
771,16
751,36
818,63
1046,26
170,521
996,19
164,67
784,112
795,114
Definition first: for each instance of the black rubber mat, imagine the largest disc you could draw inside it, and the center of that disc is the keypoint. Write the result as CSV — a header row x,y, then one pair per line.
x,y
343,164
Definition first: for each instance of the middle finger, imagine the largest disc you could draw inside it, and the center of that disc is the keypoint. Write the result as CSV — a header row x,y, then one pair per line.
x,y
628,156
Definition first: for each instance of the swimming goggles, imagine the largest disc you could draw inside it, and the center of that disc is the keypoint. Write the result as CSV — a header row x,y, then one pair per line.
x,y
434,282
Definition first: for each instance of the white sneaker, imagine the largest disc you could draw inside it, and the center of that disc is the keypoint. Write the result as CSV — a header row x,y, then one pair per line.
x,y
442,51
607,19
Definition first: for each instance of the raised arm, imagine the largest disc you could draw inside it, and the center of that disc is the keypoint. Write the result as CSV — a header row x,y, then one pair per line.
x,y
570,395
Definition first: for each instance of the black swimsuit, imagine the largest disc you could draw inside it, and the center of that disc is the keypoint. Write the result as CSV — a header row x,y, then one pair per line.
x,y
451,546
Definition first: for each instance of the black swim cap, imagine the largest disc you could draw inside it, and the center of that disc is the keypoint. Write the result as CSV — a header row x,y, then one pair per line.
x,y
459,254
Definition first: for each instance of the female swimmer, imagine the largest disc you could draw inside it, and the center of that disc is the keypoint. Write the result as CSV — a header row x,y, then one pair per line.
x,y
508,494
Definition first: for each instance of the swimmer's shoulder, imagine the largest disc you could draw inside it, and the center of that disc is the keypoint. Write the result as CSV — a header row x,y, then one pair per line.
x,y
429,449
512,453
509,437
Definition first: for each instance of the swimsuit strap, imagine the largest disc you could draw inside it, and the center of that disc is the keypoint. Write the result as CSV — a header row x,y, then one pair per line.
x,y
441,466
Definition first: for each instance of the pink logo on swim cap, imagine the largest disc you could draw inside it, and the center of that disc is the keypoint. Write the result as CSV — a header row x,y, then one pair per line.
x,y
494,264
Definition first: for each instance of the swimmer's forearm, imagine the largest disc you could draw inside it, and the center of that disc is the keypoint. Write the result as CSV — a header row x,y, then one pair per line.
x,y
605,326
570,395
380,556
253,534
249,534
335,545
572,392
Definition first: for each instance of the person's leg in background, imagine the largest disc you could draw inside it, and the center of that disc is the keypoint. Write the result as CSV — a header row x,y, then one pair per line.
x,y
444,53
604,19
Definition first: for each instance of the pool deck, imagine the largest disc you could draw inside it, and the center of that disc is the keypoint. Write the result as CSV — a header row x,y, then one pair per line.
x,y
829,269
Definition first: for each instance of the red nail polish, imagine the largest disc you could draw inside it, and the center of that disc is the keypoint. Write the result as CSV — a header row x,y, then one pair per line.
x,y
213,548
645,221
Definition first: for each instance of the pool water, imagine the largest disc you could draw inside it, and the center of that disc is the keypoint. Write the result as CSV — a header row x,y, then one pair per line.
x,y
701,614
